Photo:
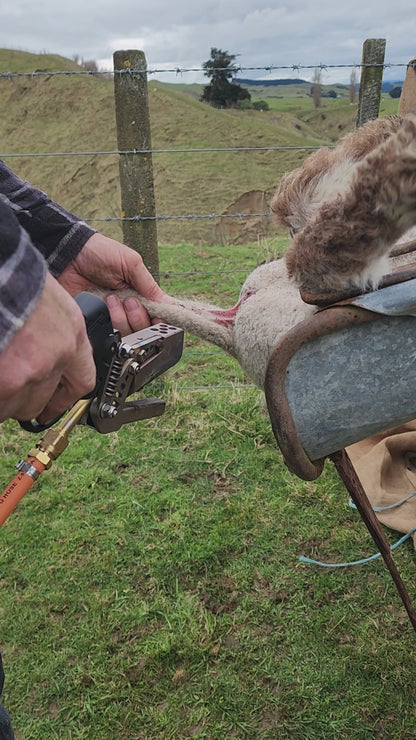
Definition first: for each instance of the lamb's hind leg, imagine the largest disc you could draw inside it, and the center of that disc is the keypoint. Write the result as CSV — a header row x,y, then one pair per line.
x,y
344,249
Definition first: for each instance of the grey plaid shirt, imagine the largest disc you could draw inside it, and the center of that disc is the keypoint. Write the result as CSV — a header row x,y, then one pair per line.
x,y
36,235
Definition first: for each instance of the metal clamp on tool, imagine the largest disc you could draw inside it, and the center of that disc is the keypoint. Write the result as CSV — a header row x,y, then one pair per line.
x,y
124,366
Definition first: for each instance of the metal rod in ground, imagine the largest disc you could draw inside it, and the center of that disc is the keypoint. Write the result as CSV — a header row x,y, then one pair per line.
x,y
354,487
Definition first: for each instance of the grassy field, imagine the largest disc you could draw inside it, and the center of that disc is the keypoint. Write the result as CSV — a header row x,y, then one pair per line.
x,y
151,587
150,582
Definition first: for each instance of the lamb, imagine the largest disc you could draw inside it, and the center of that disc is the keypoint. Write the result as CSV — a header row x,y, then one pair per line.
x,y
268,306
347,207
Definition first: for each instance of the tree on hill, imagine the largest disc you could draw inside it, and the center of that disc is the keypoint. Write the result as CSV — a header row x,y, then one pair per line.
x,y
221,93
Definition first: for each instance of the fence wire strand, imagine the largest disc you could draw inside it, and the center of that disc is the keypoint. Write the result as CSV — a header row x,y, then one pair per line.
x,y
187,217
235,69
148,152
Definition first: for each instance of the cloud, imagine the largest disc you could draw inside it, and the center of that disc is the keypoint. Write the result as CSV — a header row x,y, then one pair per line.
x,y
181,34
165,44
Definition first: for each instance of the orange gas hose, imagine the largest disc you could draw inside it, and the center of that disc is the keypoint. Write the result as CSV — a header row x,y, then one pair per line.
x,y
49,447
20,485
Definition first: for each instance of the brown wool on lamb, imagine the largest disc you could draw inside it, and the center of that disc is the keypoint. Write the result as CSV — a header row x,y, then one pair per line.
x,y
349,206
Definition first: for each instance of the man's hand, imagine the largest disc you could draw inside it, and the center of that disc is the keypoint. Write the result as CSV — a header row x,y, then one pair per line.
x,y
48,364
106,265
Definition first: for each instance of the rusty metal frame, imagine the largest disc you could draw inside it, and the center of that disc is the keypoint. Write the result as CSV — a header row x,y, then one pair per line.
x,y
337,312
323,322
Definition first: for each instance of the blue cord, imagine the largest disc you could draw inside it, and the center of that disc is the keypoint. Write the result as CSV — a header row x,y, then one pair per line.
x,y
310,561
385,508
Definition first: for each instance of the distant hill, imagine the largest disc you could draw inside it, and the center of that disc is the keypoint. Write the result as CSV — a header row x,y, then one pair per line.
x,y
285,86
387,86
285,81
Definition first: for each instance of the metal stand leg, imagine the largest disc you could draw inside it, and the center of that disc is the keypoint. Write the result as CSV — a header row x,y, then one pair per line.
x,y
354,487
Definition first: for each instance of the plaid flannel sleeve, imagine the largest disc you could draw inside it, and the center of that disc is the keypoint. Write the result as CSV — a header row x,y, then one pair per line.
x,y
22,275
56,233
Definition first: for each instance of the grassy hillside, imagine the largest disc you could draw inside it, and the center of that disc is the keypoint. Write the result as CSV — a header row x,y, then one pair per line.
x,y
76,113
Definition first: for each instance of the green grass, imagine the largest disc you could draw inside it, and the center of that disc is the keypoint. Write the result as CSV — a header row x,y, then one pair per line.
x,y
150,581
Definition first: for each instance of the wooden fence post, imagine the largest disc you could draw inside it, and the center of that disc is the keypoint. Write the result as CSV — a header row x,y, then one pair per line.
x,y
136,169
371,80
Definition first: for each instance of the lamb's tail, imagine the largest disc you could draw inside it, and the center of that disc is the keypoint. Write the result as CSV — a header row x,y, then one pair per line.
x,y
194,317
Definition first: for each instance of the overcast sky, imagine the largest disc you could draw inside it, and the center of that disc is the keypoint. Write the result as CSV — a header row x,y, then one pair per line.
x,y
180,33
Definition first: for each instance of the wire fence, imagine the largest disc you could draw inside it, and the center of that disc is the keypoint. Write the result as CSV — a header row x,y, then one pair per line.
x,y
269,69
32,74
235,69
151,152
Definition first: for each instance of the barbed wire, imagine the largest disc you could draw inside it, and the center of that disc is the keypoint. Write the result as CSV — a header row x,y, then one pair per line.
x,y
187,217
202,150
275,67
165,273
184,70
